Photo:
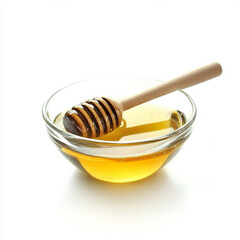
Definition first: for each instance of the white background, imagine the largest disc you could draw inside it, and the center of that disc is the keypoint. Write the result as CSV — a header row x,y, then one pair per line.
x,y
48,44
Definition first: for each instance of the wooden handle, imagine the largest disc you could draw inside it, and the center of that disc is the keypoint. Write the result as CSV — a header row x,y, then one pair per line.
x,y
187,80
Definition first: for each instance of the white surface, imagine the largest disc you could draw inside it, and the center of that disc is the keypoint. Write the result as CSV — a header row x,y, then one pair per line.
x,y
49,44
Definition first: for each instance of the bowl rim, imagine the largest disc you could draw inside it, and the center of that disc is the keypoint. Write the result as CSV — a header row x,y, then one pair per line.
x,y
79,139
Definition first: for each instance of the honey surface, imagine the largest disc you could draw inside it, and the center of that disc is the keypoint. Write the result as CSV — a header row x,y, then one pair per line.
x,y
142,122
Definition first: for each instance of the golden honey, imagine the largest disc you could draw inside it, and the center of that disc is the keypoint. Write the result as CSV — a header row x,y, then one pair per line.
x,y
146,121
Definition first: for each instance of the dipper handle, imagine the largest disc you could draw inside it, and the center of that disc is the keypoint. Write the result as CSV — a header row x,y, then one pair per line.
x,y
184,81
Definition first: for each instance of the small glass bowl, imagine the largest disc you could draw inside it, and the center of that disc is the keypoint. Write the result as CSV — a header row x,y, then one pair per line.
x,y
117,161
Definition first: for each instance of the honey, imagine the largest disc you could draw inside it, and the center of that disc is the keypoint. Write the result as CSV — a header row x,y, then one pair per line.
x,y
143,122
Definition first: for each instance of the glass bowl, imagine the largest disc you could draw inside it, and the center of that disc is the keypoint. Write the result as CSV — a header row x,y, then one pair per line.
x,y
117,161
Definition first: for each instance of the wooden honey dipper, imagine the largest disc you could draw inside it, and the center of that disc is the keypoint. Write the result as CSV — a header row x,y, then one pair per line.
x,y
102,115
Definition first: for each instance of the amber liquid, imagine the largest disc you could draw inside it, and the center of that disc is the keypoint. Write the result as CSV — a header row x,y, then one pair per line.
x,y
143,122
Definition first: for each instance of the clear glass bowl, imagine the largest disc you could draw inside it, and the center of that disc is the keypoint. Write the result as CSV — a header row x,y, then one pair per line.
x,y
117,161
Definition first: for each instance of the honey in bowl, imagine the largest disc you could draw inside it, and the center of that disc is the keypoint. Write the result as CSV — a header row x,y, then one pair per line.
x,y
146,121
